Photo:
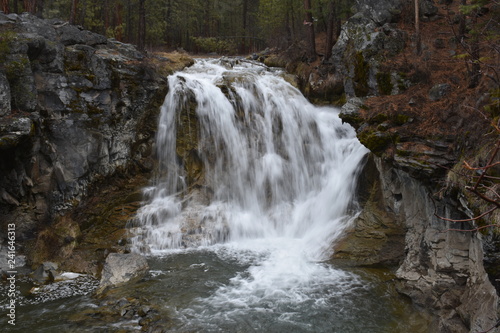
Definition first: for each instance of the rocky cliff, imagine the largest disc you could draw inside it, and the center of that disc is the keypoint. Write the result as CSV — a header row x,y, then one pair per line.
x,y
408,113
77,112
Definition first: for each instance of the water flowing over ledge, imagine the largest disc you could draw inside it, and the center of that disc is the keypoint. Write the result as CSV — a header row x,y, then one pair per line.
x,y
272,164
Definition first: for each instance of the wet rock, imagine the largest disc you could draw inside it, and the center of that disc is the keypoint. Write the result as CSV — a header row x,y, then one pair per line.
x,y
122,268
45,272
350,112
377,236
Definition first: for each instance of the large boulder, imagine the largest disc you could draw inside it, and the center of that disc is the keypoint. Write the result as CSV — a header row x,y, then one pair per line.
x,y
121,268
366,39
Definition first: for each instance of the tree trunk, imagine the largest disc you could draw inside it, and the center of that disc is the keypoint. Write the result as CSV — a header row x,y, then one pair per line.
x,y
418,43
5,6
329,30
129,22
117,22
74,7
309,23
243,48
29,6
105,16
39,4
168,25
475,68
141,41
461,24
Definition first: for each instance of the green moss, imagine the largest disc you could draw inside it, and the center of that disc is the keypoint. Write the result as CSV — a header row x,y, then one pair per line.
x,y
75,106
493,106
378,119
6,38
384,83
361,72
14,67
187,141
376,141
352,119
403,153
400,119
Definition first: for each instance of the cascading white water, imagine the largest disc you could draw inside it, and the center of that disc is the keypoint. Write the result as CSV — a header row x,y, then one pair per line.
x,y
278,166
281,174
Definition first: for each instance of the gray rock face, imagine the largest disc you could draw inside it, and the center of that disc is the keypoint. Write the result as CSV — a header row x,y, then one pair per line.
x,y
441,269
365,38
122,268
72,105
380,12
4,96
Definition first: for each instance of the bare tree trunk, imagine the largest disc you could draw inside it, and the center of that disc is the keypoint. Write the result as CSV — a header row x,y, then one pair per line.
x,y
141,42
16,6
243,48
118,20
168,20
74,7
129,22
30,6
461,24
418,42
475,68
329,30
105,16
309,23
5,6
39,4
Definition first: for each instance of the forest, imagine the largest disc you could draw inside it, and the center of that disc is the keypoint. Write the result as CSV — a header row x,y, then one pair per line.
x,y
197,26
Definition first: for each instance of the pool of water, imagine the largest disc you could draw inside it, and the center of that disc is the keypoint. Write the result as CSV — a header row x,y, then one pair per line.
x,y
220,289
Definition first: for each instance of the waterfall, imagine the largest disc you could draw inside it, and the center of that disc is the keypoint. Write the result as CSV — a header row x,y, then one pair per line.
x,y
273,165
251,172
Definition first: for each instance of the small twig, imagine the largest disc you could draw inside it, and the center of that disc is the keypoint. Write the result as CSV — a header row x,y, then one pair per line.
x,y
466,220
467,166
476,229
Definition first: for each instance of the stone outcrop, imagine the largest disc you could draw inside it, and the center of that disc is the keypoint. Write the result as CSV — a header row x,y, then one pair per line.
x,y
438,268
354,69
76,111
